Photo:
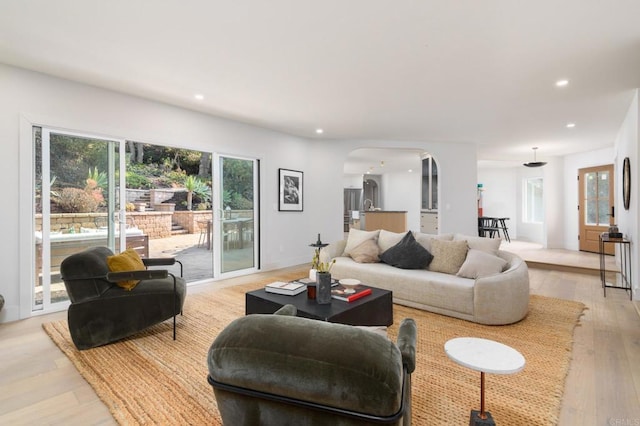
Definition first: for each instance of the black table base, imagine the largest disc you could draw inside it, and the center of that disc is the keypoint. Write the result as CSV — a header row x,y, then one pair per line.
x,y
375,309
476,420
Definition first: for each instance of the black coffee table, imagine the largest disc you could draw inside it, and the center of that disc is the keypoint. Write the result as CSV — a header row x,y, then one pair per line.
x,y
375,309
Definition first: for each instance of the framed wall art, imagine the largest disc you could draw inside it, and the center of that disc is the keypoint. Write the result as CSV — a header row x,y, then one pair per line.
x,y
291,190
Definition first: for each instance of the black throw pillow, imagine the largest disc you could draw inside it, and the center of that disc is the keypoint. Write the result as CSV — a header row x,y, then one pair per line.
x,y
407,254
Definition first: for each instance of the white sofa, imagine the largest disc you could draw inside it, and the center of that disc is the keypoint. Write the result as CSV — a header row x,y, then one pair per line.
x,y
493,299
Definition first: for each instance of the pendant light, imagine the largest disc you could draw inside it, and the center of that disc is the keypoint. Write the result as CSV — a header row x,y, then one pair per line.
x,y
535,163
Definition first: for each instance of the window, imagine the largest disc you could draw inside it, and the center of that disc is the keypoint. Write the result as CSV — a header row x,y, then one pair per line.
x,y
533,211
429,184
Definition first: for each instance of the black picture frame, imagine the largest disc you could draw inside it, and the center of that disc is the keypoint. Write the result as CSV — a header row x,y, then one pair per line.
x,y
626,182
290,190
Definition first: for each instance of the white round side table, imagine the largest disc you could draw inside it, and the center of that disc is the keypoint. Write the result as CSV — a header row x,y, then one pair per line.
x,y
485,356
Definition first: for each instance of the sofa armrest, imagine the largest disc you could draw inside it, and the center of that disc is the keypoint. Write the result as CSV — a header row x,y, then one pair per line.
x,y
159,261
162,261
115,277
288,310
406,342
332,250
508,290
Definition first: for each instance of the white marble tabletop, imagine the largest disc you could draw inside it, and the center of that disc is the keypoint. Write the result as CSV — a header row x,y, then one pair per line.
x,y
484,355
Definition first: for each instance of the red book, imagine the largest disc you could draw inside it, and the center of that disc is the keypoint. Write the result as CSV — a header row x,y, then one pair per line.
x,y
349,293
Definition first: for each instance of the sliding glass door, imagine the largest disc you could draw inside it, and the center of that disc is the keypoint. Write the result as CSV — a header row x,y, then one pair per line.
x,y
76,199
237,214
92,191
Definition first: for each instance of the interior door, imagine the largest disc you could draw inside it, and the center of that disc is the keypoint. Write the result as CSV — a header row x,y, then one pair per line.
x,y
596,206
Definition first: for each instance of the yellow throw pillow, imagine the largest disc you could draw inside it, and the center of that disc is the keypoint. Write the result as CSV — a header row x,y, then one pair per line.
x,y
128,260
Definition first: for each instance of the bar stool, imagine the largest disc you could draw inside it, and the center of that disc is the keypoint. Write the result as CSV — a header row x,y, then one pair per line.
x,y
487,227
501,224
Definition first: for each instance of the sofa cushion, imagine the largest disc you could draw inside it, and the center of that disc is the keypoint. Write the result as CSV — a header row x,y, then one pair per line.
x,y
357,237
448,256
481,264
128,260
418,288
388,239
407,254
486,244
367,252
425,239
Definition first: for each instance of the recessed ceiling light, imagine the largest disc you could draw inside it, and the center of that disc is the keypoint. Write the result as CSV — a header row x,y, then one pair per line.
x,y
571,125
410,170
319,131
199,96
562,83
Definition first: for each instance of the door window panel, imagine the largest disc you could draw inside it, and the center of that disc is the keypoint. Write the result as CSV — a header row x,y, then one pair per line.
x,y
533,205
238,214
75,204
597,199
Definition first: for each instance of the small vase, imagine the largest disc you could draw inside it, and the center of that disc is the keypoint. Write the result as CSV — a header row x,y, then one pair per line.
x,y
323,291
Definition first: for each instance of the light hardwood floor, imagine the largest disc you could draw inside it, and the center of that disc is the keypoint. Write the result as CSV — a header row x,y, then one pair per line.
x,y
38,385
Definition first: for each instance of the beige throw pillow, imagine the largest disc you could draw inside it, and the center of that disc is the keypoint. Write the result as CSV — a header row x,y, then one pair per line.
x,y
485,244
481,264
388,239
448,256
425,239
357,237
367,252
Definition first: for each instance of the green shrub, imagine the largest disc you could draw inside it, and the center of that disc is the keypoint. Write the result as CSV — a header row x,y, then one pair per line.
x,y
136,181
74,200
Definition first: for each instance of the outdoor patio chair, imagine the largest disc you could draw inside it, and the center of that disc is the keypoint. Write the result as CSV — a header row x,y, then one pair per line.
x,y
102,312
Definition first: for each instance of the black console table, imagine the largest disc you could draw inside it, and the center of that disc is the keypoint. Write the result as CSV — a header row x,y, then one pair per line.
x,y
625,267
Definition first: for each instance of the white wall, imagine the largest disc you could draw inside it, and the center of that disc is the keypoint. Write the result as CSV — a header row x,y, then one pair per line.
x,y
626,145
499,193
554,203
44,100
402,191
352,181
34,98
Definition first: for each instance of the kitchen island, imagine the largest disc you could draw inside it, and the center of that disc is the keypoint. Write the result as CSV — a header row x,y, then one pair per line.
x,y
389,220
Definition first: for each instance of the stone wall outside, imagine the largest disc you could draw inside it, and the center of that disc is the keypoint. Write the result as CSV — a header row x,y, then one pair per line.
x,y
155,224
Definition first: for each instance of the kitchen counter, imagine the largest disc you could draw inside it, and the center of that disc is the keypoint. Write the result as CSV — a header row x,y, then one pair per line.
x,y
390,220
383,211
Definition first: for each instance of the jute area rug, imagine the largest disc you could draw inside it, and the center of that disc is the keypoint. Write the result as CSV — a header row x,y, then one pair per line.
x,y
151,379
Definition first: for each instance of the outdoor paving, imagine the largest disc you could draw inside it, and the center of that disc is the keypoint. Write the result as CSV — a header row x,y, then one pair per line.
x,y
196,258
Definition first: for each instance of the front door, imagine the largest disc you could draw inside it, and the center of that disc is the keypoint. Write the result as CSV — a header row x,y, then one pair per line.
x,y
596,210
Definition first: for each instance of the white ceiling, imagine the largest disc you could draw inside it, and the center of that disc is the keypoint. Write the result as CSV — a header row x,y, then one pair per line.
x,y
433,70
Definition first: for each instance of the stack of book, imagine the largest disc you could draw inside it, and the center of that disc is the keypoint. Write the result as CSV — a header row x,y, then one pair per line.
x,y
288,289
349,293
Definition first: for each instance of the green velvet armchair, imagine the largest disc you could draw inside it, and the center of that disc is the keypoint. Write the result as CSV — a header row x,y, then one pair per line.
x,y
101,312
285,370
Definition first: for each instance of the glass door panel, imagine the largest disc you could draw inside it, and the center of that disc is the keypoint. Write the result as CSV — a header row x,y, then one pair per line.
x,y
237,214
76,204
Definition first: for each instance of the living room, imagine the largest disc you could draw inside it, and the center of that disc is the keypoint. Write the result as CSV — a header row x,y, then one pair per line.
x,y
55,97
